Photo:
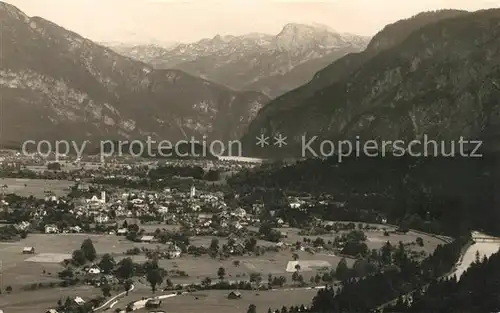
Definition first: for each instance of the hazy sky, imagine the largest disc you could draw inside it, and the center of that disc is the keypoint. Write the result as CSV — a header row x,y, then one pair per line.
x,y
142,21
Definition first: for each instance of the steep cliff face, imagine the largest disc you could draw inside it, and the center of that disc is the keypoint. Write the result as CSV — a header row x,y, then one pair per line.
x,y
269,64
56,84
340,69
440,81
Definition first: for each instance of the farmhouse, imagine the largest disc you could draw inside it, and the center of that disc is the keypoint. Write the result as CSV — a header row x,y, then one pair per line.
x,y
234,295
79,301
122,232
51,229
147,239
153,303
22,226
75,229
28,250
174,251
94,270
83,187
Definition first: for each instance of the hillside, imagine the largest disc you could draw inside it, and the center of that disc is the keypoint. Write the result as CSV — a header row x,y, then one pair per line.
x,y
260,62
439,82
56,84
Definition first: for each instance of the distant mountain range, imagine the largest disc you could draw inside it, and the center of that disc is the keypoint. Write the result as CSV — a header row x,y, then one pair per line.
x,y
435,74
265,63
56,84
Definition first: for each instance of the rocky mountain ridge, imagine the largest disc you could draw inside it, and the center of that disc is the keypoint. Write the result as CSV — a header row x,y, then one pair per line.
x,y
434,75
56,84
272,64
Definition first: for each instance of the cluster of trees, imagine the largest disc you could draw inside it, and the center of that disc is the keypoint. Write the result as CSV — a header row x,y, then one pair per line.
x,y
268,233
155,275
232,247
437,195
254,281
353,243
477,290
86,253
72,307
28,174
170,171
399,275
54,166
124,270
9,232
158,181
292,309
186,150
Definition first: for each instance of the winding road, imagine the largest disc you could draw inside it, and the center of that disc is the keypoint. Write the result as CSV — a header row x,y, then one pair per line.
x,y
113,301
483,244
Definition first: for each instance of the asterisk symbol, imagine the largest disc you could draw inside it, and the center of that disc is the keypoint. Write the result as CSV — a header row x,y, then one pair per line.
x,y
262,141
280,140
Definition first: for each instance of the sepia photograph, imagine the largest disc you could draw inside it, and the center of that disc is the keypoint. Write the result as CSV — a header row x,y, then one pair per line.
x,y
249,156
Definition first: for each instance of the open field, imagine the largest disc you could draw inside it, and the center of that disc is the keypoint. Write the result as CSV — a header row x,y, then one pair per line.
x,y
49,258
41,300
216,301
35,187
274,263
307,265
375,238
21,269
24,269
66,166
206,240
149,228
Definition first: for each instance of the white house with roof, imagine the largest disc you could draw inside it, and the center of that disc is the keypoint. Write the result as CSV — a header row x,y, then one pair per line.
x,y
79,300
94,270
174,251
51,198
147,238
101,219
96,201
162,209
75,229
239,212
137,201
28,250
51,229
23,225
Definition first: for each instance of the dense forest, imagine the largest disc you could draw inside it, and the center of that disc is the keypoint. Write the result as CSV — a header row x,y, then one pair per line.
x,y
477,291
441,195
401,276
